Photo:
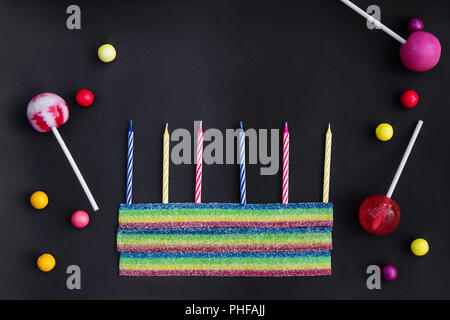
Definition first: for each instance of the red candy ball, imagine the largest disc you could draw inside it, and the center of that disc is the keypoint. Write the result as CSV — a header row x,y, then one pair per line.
x,y
379,215
84,97
409,99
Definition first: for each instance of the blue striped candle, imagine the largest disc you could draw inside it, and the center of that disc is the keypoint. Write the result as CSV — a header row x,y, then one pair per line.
x,y
242,165
129,194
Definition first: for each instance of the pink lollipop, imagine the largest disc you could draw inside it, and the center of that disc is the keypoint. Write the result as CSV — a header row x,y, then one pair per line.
x,y
47,111
422,50
380,215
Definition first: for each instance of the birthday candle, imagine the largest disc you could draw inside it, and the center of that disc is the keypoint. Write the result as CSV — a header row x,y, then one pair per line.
x,y
165,178
285,191
242,166
326,169
198,173
129,193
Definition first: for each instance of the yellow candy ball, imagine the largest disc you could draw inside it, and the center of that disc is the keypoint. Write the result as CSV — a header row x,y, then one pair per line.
x,y
46,262
420,247
39,200
384,131
106,53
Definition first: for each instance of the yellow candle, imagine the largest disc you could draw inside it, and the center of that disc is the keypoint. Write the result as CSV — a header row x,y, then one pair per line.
x,y
327,163
165,180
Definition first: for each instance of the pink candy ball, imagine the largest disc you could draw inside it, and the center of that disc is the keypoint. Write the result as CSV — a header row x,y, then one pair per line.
x,y
414,24
47,110
80,219
421,51
389,272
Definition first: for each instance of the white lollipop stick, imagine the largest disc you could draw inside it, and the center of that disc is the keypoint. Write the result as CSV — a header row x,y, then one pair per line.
x,y
376,22
75,168
404,159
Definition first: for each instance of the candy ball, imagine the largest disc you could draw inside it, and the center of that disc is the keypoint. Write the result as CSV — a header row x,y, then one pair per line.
x,y
419,247
379,215
47,110
389,272
384,131
46,262
106,53
409,99
414,24
420,52
39,200
79,219
84,97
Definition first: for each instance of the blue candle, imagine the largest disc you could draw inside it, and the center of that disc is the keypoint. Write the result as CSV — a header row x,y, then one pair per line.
x,y
129,194
242,165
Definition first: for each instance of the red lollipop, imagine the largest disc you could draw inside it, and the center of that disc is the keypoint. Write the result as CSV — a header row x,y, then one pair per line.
x,y
380,215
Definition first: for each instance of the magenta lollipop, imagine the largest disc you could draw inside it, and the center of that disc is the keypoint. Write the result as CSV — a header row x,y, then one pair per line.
x,y
380,215
47,111
420,52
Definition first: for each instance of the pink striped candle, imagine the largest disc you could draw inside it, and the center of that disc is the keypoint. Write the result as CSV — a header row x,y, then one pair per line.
x,y
198,173
285,191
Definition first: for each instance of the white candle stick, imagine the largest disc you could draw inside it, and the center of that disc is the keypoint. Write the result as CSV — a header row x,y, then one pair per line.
x,y
404,159
75,168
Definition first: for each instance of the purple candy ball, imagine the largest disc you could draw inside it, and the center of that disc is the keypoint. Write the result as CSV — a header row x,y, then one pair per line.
x,y
389,272
421,51
414,24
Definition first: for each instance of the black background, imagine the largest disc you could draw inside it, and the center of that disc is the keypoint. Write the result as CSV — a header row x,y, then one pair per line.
x,y
260,61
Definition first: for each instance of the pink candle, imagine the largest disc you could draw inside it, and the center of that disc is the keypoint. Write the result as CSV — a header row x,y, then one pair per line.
x,y
285,191
198,173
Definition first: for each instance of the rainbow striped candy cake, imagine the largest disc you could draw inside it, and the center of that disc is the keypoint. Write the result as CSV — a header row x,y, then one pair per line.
x,y
214,239
250,264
